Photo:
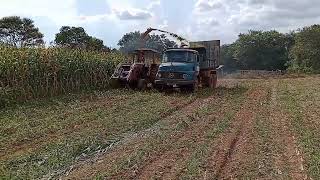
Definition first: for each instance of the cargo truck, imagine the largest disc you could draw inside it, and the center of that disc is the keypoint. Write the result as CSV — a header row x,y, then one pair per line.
x,y
190,68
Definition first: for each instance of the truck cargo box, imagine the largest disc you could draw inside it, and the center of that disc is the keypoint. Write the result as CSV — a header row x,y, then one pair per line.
x,y
209,52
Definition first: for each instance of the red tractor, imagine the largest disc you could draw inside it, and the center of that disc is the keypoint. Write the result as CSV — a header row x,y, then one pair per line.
x,y
140,72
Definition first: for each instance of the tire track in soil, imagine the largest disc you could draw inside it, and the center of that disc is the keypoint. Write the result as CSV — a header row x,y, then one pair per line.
x,y
289,161
234,148
168,164
171,162
111,152
103,162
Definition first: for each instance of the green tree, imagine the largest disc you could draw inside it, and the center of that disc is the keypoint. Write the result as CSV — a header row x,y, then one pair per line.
x,y
227,58
262,50
306,50
131,41
19,32
95,44
76,37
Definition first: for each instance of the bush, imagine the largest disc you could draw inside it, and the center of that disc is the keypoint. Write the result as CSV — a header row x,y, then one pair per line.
x,y
306,50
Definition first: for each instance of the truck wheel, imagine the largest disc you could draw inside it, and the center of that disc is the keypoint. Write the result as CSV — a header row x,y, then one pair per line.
x,y
160,88
213,81
195,87
142,84
185,89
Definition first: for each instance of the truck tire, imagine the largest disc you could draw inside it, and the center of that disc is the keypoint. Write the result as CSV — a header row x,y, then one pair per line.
x,y
160,88
191,88
213,81
195,87
185,89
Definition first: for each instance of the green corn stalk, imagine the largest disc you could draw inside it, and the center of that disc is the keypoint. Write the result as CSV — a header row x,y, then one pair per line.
x,y
28,73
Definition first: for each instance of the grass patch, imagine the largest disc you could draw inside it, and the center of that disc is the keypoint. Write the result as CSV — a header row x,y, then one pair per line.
x,y
233,98
194,167
46,136
161,141
308,135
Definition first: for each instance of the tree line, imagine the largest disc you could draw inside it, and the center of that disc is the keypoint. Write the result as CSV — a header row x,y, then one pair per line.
x,y
297,51
258,50
22,33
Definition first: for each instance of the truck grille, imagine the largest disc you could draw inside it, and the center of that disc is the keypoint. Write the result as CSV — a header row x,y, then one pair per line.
x,y
172,75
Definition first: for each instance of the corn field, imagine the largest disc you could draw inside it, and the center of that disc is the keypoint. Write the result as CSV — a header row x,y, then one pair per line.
x,y
43,72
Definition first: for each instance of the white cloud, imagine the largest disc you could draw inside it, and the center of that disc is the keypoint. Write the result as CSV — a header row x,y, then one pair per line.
x,y
164,24
207,5
59,11
122,13
239,16
208,22
132,14
95,18
153,4
194,19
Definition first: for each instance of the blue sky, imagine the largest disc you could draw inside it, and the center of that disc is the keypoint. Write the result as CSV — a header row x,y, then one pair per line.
x,y
193,19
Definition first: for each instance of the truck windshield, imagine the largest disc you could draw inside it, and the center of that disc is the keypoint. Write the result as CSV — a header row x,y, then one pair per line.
x,y
179,56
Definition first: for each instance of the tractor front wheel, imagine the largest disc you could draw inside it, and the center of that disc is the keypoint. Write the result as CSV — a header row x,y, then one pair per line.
x,y
114,83
142,84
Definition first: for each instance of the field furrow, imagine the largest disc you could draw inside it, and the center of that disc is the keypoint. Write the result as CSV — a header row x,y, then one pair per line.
x,y
245,129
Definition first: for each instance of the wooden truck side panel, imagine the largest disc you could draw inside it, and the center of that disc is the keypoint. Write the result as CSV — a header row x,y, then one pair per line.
x,y
209,53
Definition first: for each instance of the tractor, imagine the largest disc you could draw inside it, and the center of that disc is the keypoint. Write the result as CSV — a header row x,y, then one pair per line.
x,y
139,72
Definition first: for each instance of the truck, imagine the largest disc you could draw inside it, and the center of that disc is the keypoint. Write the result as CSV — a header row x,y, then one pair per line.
x,y
190,68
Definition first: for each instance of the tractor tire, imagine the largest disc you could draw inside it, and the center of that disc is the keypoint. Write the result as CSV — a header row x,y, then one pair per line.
x,y
142,84
114,83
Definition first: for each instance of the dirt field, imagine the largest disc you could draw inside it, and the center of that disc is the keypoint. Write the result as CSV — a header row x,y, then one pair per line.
x,y
246,129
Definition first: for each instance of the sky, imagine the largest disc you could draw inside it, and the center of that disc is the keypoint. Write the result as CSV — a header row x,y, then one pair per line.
x,y
195,20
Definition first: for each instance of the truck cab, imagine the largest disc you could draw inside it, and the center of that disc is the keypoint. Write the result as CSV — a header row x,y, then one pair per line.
x,y
179,68
190,68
